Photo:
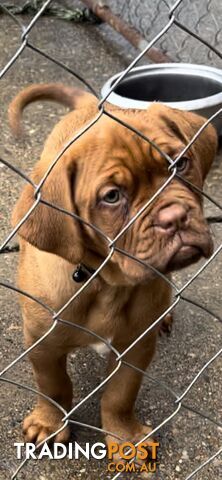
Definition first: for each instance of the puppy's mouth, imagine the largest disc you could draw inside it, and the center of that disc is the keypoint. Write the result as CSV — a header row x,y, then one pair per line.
x,y
185,250
185,256
182,250
167,253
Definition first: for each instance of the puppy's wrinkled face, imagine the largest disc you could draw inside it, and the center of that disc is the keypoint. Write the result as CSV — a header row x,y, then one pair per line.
x,y
107,177
121,173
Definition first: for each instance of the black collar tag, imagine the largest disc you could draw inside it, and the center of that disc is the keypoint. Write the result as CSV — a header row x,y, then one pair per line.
x,y
82,273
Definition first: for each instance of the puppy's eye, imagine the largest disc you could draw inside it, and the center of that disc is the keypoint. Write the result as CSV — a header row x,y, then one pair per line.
x,y
182,164
112,196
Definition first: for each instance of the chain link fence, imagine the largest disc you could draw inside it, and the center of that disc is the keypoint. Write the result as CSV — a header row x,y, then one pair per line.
x,y
169,18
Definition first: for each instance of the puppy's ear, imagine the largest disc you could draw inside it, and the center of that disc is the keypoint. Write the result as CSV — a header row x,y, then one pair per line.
x,y
47,228
205,146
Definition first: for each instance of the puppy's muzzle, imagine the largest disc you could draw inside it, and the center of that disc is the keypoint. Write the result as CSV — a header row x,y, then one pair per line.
x,y
172,218
174,223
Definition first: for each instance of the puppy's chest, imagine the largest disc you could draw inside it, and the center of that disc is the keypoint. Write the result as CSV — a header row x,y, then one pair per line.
x,y
104,315
106,309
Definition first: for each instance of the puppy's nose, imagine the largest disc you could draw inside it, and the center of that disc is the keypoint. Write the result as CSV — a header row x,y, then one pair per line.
x,y
172,218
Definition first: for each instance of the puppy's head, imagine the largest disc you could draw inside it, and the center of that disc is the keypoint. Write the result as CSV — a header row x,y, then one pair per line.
x,y
107,176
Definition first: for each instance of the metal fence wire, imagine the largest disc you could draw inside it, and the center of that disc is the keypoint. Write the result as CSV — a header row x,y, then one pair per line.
x,y
179,293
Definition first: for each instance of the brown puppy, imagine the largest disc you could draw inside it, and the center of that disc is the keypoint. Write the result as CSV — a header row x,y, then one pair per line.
x,y
106,177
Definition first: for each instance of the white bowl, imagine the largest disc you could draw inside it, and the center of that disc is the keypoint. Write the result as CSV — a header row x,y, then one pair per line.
x,y
196,88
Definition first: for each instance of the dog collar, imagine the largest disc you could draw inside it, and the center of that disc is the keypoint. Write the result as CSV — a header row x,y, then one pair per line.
x,y
82,273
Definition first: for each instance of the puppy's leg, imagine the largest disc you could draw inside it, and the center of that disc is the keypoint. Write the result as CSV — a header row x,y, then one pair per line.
x,y
49,366
166,325
121,392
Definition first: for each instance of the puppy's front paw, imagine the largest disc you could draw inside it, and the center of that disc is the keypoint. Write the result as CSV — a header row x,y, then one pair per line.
x,y
133,436
42,422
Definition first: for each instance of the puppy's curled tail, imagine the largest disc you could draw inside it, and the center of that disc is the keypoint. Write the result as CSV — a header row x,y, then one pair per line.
x,y
68,96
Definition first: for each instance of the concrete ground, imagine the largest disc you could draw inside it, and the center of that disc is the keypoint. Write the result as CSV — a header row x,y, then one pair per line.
x,y
189,439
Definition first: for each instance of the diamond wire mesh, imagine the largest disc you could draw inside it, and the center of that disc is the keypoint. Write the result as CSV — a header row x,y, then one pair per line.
x,y
178,292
